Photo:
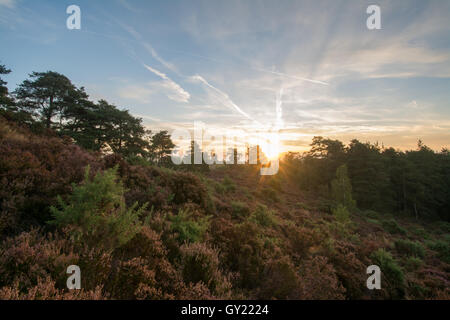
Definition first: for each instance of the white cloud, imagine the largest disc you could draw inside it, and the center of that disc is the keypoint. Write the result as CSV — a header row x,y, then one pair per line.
x,y
8,3
174,91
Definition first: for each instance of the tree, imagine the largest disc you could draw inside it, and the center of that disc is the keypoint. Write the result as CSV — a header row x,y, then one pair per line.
x,y
5,100
103,126
341,188
46,95
123,133
161,146
368,174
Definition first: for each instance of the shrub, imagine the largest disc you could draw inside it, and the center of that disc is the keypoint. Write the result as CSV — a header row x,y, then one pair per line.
x,y
200,263
263,216
281,280
420,232
393,227
410,248
301,240
318,280
96,212
33,171
341,214
413,263
373,221
45,289
269,194
391,270
228,184
442,248
443,226
186,228
242,250
240,209
371,214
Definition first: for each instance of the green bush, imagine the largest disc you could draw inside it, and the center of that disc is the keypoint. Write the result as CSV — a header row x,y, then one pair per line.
x,y
393,227
442,248
410,248
187,228
263,216
228,184
269,194
391,270
413,263
374,221
371,214
240,209
96,212
420,232
444,226
341,214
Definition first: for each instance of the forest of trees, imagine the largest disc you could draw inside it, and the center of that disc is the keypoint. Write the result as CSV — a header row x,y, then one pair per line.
x,y
49,100
415,182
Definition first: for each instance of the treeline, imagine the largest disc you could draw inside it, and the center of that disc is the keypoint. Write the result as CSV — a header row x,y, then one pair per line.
x,y
49,100
415,182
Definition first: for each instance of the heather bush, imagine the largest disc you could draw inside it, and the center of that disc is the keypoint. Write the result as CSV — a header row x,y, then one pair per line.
x,y
318,280
30,256
270,194
281,280
200,263
45,289
243,251
302,240
96,212
349,266
133,278
33,171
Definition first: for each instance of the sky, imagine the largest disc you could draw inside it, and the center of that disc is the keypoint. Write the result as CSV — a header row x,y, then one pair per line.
x,y
300,68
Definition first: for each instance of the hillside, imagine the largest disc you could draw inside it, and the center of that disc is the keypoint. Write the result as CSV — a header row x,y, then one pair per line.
x,y
141,231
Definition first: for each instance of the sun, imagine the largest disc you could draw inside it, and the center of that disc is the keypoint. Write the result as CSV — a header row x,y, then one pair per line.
x,y
270,145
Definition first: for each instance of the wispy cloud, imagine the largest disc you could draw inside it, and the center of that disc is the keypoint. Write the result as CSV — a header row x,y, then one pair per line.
x,y
8,3
128,6
176,92
225,99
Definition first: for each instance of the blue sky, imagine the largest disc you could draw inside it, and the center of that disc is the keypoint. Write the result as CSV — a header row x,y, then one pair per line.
x,y
225,62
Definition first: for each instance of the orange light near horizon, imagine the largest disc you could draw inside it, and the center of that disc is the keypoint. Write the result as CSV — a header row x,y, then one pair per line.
x,y
270,145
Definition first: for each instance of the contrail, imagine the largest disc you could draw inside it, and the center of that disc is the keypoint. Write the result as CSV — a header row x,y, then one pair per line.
x,y
224,96
181,95
292,77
